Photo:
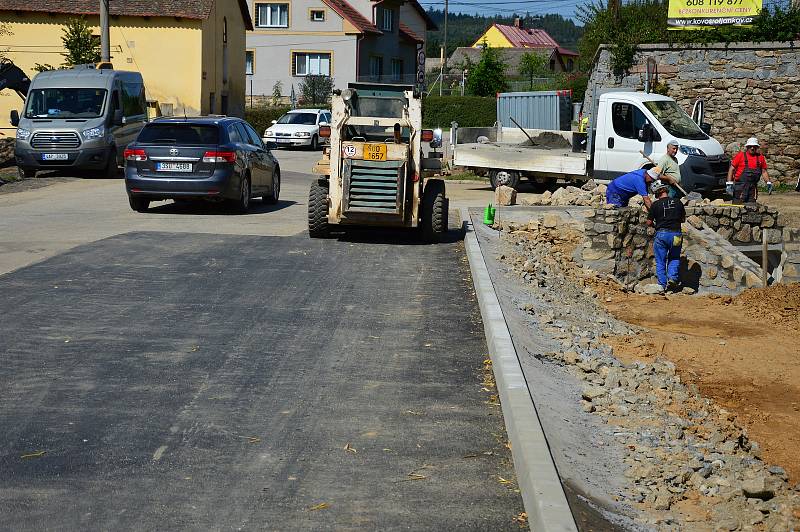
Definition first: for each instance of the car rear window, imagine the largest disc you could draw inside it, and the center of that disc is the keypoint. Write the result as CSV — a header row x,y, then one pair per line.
x,y
179,134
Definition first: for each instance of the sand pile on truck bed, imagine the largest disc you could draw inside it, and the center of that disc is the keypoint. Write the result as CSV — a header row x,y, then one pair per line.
x,y
701,392
547,140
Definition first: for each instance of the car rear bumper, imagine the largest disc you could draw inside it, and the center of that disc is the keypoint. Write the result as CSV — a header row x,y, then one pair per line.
x,y
83,159
222,184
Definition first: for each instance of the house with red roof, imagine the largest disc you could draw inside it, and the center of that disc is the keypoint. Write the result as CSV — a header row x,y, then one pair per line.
x,y
348,40
518,37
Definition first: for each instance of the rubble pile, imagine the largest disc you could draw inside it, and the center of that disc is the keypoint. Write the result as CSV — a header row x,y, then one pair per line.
x,y
691,465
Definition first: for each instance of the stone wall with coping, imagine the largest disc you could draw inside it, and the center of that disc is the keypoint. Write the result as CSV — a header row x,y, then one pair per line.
x,y
750,89
620,243
790,260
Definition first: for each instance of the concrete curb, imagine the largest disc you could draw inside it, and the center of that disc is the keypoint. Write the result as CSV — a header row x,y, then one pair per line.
x,y
542,493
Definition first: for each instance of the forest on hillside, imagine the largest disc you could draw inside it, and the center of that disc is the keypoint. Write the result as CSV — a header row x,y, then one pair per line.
x,y
463,29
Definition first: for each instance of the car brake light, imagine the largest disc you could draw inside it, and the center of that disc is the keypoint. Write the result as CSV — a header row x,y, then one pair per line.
x,y
135,155
427,135
324,132
219,157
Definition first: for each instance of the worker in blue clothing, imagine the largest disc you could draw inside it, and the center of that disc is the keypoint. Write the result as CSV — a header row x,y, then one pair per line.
x,y
666,214
623,188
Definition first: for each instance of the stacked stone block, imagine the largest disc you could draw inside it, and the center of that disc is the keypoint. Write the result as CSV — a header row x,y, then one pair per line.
x,y
740,224
790,260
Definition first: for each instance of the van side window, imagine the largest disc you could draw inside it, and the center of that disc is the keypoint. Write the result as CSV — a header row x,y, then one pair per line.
x,y
627,120
133,101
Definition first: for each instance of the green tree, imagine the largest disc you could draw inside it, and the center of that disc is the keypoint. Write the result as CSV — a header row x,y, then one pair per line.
x,y
277,91
316,89
645,21
5,31
533,65
81,45
488,76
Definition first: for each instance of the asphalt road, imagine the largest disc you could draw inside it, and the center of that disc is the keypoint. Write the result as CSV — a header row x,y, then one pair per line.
x,y
192,370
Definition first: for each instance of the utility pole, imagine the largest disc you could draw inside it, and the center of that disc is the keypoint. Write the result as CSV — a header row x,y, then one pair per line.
x,y
444,60
105,40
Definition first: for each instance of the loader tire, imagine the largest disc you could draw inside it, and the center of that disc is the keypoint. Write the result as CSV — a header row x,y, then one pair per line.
x,y
434,211
318,226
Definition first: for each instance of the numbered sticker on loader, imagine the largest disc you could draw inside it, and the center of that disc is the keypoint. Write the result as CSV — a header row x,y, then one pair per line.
x,y
349,151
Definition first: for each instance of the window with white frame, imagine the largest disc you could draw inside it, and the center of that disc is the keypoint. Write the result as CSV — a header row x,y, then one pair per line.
x,y
376,66
311,64
272,15
317,15
387,17
397,69
249,62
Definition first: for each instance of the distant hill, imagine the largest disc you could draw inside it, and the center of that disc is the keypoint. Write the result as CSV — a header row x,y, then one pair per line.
x,y
463,30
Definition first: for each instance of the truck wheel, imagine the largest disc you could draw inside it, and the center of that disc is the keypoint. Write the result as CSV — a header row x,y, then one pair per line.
x,y
434,211
318,226
138,204
507,178
26,173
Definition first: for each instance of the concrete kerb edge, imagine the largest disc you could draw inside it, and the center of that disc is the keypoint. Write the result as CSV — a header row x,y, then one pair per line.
x,y
542,492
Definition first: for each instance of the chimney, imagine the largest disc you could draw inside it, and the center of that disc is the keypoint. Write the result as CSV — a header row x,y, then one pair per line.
x,y
518,23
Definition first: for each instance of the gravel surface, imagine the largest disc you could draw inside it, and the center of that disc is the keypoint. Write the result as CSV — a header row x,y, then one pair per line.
x,y
646,449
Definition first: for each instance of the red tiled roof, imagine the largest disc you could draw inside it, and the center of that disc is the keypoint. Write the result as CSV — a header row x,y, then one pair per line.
x,y
526,37
191,9
349,13
406,32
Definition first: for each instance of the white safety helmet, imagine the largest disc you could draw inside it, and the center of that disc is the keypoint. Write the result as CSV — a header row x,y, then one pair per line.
x,y
752,141
657,185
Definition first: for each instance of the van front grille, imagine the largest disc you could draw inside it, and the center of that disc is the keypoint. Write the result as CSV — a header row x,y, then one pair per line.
x,y
55,140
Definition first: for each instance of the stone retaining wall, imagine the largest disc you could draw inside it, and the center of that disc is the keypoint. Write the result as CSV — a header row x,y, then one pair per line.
x,y
619,243
790,260
6,151
750,89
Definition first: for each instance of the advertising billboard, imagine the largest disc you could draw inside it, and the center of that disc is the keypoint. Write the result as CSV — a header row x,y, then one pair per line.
x,y
702,14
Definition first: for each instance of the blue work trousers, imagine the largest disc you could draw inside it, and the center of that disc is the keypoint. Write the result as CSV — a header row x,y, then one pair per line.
x,y
667,249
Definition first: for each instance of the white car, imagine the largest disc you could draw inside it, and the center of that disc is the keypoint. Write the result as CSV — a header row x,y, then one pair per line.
x,y
299,127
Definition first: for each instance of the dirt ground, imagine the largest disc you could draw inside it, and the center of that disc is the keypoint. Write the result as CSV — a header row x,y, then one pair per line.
x,y
742,352
787,203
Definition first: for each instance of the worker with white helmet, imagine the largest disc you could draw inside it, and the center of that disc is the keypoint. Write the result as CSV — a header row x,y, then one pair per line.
x,y
747,169
666,214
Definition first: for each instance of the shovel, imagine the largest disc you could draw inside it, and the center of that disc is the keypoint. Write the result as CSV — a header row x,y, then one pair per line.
x,y
690,196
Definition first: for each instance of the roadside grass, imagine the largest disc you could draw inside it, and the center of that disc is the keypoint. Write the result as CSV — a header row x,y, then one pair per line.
x,y
9,174
464,176
780,188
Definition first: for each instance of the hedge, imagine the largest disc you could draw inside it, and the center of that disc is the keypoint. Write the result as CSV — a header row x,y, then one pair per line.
x,y
261,117
468,111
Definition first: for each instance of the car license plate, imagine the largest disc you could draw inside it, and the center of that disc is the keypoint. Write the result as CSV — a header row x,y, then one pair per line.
x,y
284,141
374,152
174,167
55,156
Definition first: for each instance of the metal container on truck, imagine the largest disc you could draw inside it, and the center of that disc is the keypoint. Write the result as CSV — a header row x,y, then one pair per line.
x,y
536,109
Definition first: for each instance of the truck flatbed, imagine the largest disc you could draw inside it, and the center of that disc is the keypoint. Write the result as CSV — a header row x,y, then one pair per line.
x,y
560,162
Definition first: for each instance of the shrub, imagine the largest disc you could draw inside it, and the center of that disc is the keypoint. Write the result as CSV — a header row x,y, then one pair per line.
x,y
468,111
261,117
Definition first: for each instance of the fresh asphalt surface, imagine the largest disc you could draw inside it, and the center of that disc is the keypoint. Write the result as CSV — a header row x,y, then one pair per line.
x,y
159,380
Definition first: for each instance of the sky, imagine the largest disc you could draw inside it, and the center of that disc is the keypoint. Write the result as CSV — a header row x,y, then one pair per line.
x,y
565,8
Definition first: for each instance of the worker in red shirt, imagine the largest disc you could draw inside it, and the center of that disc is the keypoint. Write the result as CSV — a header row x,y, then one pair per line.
x,y
748,167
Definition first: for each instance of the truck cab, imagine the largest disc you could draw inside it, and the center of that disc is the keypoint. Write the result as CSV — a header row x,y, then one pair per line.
x,y
627,122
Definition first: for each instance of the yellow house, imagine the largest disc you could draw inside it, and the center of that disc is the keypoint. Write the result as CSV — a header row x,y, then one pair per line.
x,y
191,53
521,38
